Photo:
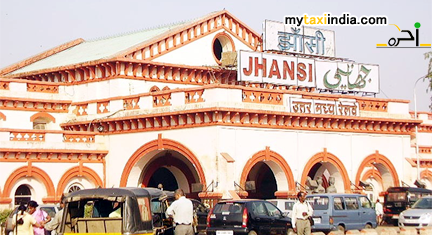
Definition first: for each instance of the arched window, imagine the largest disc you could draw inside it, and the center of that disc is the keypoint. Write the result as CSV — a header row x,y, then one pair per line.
x,y
40,124
74,187
22,194
41,120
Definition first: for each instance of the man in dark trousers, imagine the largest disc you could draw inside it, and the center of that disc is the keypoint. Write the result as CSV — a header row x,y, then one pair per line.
x,y
182,212
300,214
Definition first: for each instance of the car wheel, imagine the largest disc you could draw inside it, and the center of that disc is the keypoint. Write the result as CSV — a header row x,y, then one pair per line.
x,y
368,226
341,228
252,233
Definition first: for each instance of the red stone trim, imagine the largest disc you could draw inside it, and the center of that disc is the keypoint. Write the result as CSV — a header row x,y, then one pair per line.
x,y
78,171
427,128
41,56
378,158
29,171
330,158
24,104
249,118
42,115
2,116
45,88
165,144
51,155
4,85
206,26
426,174
424,163
372,173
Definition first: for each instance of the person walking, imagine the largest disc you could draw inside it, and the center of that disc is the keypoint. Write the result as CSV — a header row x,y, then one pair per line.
x,y
379,210
23,222
41,217
54,224
181,210
300,215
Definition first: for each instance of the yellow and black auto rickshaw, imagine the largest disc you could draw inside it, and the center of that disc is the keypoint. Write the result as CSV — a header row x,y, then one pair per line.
x,y
111,211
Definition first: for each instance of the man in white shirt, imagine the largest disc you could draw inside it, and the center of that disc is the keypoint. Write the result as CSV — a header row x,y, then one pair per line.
x,y
54,224
182,212
379,211
300,214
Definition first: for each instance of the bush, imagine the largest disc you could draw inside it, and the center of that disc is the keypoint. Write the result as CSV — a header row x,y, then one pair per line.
x,y
4,214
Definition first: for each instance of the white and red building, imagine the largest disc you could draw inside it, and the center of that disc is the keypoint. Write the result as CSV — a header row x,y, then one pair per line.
x,y
162,106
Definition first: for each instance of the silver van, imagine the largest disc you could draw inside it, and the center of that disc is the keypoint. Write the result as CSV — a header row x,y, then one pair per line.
x,y
335,211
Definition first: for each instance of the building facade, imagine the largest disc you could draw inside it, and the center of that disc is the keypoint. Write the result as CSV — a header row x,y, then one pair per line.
x,y
165,105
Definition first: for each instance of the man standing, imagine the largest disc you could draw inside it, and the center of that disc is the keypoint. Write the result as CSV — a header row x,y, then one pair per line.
x,y
54,224
300,214
379,212
182,212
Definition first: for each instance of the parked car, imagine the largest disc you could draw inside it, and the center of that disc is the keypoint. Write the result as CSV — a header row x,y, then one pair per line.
x,y
285,205
247,216
419,215
51,209
336,211
398,199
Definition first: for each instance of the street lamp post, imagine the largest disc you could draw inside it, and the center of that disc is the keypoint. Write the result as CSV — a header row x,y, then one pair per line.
x,y
416,127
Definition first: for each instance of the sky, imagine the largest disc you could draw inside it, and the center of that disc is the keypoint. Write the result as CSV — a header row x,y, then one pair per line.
x,y
28,27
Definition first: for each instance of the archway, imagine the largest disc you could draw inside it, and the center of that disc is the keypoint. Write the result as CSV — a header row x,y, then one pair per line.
x,y
168,154
426,177
269,171
77,173
326,165
384,168
26,172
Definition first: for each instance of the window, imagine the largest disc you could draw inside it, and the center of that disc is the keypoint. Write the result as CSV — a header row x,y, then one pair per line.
x,y
73,188
222,43
338,203
22,194
351,203
258,208
318,203
272,210
365,203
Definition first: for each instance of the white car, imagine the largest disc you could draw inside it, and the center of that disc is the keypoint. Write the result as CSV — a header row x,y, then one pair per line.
x,y
285,205
419,215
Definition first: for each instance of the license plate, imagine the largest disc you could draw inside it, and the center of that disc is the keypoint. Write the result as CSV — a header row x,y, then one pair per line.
x,y
224,232
395,217
317,220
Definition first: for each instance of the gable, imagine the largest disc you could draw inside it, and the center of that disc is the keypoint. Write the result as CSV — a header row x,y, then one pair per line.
x,y
144,45
222,20
205,51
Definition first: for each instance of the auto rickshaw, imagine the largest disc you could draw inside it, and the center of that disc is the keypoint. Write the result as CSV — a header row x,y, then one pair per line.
x,y
110,211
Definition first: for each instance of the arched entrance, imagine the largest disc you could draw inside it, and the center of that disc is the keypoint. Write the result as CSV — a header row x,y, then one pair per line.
x,y
380,166
325,172
264,180
164,160
270,174
170,169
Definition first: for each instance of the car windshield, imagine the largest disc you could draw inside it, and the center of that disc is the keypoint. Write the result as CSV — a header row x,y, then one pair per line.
x,y
423,203
396,197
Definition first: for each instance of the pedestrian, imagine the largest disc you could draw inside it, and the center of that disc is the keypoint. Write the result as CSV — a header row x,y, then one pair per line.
x,y
300,215
181,210
54,224
379,211
23,222
41,217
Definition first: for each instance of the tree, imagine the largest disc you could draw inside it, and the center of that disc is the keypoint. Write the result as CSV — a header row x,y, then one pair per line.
x,y
428,55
